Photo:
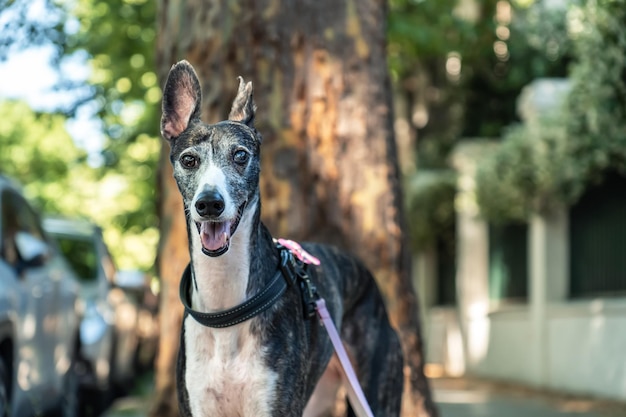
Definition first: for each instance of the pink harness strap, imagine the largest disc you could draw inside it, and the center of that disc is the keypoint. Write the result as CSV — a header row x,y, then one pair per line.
x,y
296,249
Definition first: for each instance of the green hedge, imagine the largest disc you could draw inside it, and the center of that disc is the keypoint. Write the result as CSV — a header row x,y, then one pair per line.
x,y
596,122
536,168
523,175
430,206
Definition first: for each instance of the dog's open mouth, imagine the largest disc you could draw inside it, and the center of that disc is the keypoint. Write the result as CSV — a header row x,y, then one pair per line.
x,y
215,236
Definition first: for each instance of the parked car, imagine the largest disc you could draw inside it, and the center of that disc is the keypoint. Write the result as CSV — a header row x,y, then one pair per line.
x,y
138,285
108,330
39,315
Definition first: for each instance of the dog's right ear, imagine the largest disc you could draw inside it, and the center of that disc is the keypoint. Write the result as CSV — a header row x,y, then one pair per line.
x,y
181,100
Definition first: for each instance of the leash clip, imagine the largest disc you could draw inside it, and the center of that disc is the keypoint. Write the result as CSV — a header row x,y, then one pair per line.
x,y
294,267
309,294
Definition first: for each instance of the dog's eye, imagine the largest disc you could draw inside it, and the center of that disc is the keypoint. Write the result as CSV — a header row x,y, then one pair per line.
x,y
240,157
189,161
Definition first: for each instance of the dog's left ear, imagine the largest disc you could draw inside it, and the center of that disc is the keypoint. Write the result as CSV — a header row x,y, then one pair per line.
x,y
243,106
181,100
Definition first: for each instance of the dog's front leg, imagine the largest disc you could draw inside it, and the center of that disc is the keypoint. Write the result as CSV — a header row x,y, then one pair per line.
x,y
323,401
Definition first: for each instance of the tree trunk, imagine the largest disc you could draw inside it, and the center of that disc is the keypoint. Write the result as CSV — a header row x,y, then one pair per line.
x,y
173,257
329,167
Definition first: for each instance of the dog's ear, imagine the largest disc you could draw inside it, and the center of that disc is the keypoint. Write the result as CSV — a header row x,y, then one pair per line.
x,y
182,97
243,106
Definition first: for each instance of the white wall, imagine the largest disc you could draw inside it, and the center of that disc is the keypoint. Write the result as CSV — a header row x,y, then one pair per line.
x,y
550,341
587,347
508,355
584,353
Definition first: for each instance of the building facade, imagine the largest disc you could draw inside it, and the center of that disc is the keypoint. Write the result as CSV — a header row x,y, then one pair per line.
x,y
541,303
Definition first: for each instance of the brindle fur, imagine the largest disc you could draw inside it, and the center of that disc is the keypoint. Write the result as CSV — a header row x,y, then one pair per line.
x,y
297,357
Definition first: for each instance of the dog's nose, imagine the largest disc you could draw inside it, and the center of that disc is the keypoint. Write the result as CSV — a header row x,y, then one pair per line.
x,y
210,203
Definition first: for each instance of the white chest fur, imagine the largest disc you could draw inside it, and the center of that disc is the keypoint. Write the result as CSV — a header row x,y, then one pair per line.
x,y
225,373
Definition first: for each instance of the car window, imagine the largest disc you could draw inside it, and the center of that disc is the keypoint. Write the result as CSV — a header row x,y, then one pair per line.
x,y
22,235
108,264
81,255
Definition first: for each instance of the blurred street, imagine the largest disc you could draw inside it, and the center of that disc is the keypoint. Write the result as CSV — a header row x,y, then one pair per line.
x,y
137,403
456,398
475,398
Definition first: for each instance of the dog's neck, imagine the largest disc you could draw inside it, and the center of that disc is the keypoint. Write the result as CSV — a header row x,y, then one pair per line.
x,y
225,281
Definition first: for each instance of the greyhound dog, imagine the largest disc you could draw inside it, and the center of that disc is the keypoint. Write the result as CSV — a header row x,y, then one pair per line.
x,y
272,360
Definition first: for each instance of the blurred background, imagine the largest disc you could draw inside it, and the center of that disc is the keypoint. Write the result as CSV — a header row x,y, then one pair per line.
x,y
509,150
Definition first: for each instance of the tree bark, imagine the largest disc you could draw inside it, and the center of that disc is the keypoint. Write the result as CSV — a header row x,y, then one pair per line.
x,y
329,167
173,257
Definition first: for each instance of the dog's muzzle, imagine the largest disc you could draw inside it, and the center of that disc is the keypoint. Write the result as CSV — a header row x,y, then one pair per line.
x,y
215,236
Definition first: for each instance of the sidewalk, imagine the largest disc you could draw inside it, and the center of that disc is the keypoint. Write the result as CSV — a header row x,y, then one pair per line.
x,y
461,397
456,397
137,403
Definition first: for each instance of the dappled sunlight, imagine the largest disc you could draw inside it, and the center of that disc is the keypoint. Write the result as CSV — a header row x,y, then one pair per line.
x,y
102,367
477,339
29,326
28,370
461,397
126,317
575,406
132,248
453,67
455,351
62,359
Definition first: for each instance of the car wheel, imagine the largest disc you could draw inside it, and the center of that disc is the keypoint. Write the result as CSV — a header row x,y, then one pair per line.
x,y
70,402
4,390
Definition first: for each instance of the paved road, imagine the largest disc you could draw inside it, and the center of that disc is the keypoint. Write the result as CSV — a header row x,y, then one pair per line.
x,y
474,398
464,403
128,407
455,398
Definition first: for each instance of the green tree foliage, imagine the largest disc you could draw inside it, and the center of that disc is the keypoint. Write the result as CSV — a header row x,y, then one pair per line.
x,y
38,151
430,194
523,175
118,37
529,43
422,36
24,23
41,155
596,122
536,168
462,65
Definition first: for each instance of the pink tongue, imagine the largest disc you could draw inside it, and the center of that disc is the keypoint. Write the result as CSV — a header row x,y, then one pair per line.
x,y
214,236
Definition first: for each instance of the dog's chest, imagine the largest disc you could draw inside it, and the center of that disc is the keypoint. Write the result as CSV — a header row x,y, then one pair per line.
x,y
225,373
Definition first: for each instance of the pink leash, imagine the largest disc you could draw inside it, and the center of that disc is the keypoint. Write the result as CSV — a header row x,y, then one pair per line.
x,y
355,392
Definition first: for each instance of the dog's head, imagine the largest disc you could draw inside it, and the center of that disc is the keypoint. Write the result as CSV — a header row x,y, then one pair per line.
x,y
216,166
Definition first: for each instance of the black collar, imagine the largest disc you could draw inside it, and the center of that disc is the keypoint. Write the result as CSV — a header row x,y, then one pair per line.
x,y
284,277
